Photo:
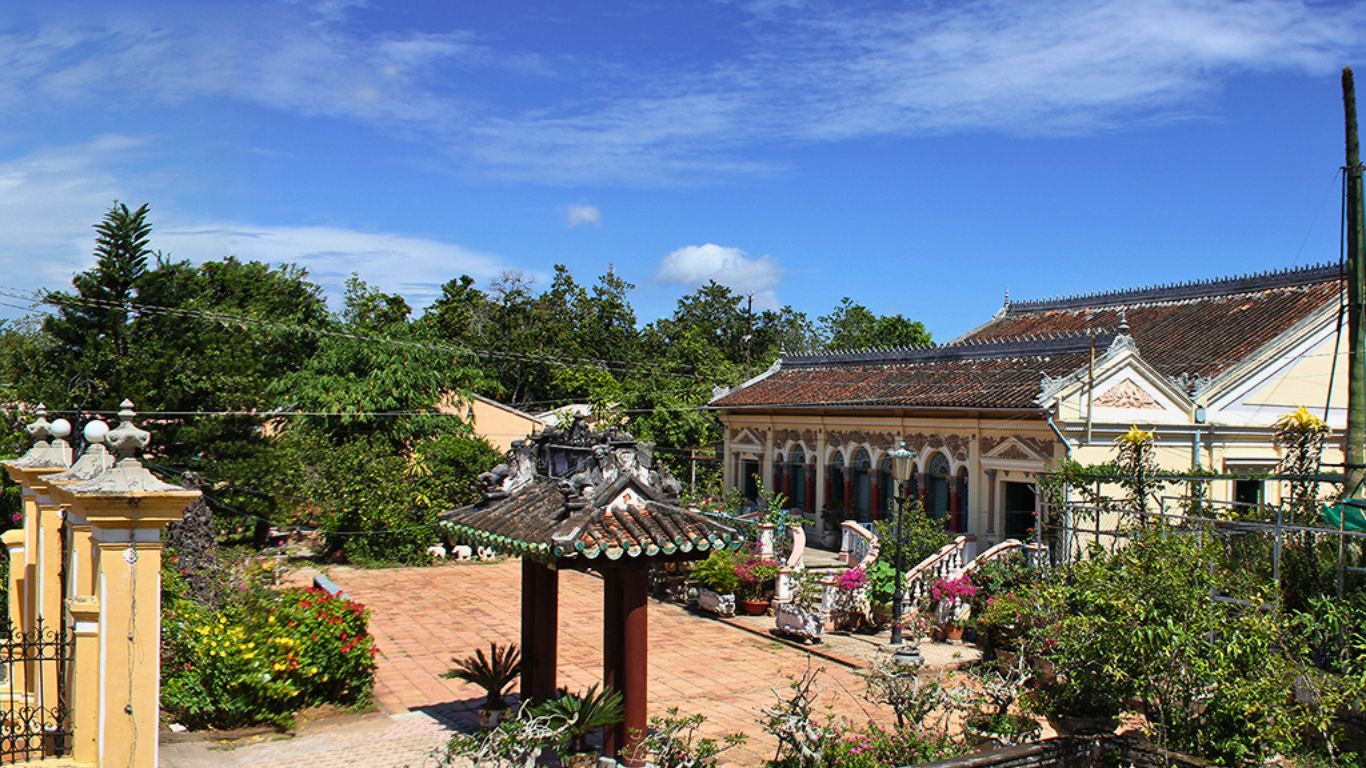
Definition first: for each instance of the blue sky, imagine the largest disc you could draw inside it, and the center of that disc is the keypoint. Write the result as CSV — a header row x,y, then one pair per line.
x,y
919,157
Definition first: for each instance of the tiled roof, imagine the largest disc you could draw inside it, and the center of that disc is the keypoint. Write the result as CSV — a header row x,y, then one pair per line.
x,y
609,502
1000,374
1198,329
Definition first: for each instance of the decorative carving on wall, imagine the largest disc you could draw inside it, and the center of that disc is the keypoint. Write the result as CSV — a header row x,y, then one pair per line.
x,y
1126,394
1025,447
1014,451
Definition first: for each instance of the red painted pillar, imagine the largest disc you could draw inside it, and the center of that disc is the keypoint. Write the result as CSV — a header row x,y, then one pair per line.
x,y
848,491
810,488
787,485
875,497
530,583
547,639
635,690
613,651
829,486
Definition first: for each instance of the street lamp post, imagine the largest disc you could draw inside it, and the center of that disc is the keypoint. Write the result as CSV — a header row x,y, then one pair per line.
x,y
902,462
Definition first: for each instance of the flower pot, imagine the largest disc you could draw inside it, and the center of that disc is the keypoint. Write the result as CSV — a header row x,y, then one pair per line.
x,y
754,607
714,602
970,634
953,632
490,717
580,760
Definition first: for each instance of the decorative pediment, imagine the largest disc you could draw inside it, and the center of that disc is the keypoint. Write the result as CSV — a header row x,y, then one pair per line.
x,y
1015,448
746,439
1127,394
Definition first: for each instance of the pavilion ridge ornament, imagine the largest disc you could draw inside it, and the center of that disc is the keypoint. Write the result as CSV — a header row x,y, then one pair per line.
x,y
93,462
127,476
1126,394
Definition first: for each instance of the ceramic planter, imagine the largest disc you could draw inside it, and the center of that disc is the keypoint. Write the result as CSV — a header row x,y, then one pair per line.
x,y
953,632
803,624
490,717
715,602
580,760
754,607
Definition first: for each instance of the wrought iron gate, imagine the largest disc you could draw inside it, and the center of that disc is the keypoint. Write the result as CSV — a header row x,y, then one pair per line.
x,y
35,721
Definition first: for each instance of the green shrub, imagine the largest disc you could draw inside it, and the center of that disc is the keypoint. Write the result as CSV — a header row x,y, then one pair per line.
x,y
717,572
263,657
873,746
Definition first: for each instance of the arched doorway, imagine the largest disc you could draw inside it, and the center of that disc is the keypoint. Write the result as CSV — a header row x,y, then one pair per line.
x,y
886,486
861,470
835,486
937,474
796,469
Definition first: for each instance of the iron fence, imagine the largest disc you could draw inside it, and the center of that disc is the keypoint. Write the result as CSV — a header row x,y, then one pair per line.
x,y
35,719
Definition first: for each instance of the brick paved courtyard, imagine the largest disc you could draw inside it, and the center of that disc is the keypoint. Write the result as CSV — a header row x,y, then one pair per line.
x,y
421,617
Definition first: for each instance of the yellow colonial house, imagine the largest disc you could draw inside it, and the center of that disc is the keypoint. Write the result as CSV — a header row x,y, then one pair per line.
x,y
1209,365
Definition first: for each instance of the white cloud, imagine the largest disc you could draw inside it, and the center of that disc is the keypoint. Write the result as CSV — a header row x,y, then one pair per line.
x,y
694,265
415,267
49,199
575,215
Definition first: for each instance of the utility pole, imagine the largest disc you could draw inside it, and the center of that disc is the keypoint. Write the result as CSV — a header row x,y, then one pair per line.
x,y
1354,453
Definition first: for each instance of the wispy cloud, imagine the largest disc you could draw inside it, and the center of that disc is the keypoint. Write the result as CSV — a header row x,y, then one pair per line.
x,y
792,72
50,199
576,215
695,265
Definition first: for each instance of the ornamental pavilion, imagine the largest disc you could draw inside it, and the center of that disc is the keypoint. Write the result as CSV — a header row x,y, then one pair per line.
x,y
574,499
1210,365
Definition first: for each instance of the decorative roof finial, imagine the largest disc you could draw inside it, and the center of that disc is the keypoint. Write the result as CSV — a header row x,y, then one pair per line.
x,y
126,440
41,428
1123,322
1006,305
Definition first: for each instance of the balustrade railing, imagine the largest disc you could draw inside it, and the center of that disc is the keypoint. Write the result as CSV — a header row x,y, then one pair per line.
x,y
944,564
858,545
783,590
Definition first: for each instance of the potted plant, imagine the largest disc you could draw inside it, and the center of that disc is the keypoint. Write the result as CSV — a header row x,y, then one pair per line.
x,y
755,576
574,717
494,673
717,581
851,611
952,598
802,616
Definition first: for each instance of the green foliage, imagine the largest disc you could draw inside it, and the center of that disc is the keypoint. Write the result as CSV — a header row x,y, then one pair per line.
x,y
494,672
575,716
1213,679
673,742
921,536
873,746
717,572
262,657
853,326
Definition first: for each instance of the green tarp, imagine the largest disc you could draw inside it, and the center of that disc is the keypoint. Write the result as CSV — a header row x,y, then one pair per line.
x,y
1333,517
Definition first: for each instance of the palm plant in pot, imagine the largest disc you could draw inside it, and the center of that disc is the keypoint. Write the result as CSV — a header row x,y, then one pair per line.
x,y
494,673
576,716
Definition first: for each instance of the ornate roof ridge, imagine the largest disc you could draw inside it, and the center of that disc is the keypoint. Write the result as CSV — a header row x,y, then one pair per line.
x,y
1186,290
1015,346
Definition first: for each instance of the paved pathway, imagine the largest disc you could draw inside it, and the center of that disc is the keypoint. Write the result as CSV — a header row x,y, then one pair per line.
x,y
422,617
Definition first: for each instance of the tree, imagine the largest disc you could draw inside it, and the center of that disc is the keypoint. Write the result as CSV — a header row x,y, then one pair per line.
x,y
90,327
853,326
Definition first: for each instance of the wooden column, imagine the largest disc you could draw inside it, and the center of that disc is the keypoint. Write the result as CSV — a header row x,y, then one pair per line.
x,y
848,490
635,689
613,651
810,479
955,513
548,632
530,584
875,495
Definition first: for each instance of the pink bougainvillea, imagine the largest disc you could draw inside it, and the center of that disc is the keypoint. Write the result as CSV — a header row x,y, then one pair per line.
x,y
960,588
852,580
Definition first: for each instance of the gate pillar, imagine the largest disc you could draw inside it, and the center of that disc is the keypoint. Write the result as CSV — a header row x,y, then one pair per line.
x,y
126,508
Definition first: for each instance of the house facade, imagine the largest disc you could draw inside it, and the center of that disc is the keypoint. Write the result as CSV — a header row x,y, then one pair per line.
x,y
1209,366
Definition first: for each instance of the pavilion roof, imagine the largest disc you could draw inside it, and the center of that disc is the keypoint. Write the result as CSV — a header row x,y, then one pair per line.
x,y
567,494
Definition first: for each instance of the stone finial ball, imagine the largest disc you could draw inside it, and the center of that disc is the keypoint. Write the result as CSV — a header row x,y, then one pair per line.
x,y
95,431
61,428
